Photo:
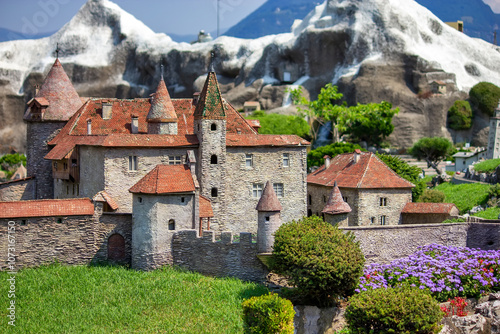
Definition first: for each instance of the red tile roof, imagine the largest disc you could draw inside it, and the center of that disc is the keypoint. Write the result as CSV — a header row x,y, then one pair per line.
x,y
58,93
47,208
264,140
269,202
210,104
165,179
103,196
205,208
444,208
336,204
162,109
368,172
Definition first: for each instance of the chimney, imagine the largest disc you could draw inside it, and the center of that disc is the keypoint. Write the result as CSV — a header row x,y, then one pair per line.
x,y
135,124
327,161
107,110
196,98
89,126
357,155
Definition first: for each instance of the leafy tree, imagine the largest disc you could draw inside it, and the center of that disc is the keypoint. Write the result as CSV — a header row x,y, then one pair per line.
x,y
432,150
315,157
460,115
407,172
321,261
281,124
485,96
432,196
369,122
13,159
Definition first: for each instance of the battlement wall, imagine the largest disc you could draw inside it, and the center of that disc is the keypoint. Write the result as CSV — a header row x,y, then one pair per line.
x,y
218,258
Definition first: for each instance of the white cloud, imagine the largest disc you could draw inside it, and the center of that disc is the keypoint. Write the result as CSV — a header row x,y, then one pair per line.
x,y
494,4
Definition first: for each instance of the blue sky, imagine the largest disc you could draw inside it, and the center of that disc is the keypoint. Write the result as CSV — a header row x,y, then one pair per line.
x,y
168,16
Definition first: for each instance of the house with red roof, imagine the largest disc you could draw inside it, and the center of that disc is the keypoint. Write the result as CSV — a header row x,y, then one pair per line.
x,y
374,192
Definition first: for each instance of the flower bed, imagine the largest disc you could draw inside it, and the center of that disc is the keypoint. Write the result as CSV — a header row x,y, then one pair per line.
x,y
446,272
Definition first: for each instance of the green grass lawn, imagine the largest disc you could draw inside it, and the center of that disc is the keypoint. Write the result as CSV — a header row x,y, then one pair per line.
x,y
80,299
465,196
487,165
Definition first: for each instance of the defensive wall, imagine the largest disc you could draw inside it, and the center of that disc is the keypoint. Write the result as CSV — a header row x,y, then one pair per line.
x,y
84,239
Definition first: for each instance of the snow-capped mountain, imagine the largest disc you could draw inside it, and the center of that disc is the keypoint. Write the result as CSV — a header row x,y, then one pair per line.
x,y
374,49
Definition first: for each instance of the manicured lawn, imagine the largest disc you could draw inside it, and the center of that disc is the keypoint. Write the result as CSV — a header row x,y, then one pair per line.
x,y
465,196
80,299
489,213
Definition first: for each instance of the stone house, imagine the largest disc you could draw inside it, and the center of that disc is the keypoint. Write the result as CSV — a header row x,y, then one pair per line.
x,y
375,194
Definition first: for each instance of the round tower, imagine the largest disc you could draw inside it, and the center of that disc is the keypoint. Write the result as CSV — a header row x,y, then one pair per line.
x,y
269,219
336,209
47,113
162,119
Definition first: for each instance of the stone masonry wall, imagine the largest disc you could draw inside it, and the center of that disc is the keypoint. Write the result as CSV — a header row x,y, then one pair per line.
x,y
267,166
369,205
19,190
39,134
382,244
69,240
221,258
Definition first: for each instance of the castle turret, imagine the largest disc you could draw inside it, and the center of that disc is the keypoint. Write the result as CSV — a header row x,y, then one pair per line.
x,y
269,219
162,118
494,136
210,127
336,209
50,109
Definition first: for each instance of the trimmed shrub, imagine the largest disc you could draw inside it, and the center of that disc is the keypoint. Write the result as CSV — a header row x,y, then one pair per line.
x,y
268,314
484,96
403,309
432,196
321,261
460,115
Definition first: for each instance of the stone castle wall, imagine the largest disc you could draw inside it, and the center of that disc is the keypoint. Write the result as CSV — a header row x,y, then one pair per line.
x,y
267,166
221,258
18,190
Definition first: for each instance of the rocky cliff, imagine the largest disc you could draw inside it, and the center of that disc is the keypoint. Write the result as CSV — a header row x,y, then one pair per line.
x,y
373,49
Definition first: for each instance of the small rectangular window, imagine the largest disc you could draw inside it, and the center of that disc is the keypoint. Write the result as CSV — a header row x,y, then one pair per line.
x,y
383,201
257,190
278,189
175,160
248,160
382,220
345,198
132,162
65,165
372,220
286,160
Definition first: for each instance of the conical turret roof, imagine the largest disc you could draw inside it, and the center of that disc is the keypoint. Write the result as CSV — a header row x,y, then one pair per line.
x,y
269,201
210,105
58,91
162,109
336,204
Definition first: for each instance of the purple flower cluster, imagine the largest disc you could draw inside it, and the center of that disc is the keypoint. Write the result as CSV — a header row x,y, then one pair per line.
x,y
446,272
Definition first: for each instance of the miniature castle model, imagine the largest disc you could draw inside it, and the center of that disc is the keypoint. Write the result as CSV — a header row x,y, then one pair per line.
x,y
170,164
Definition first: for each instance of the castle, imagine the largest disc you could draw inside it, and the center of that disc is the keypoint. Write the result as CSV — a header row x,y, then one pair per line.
x,y
165,164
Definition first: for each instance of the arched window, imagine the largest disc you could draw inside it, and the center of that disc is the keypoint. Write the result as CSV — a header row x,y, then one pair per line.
x,y
213,159
214,192
171,224
116,248
213,127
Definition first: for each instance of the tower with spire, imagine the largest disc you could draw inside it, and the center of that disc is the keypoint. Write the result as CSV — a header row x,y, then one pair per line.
x,y
336,209
269,219
48,111
162,119
210,126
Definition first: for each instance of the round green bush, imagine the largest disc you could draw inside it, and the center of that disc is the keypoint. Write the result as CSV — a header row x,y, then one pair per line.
x,y
460,115
393,310
485,96
268,314
432,196
321,261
